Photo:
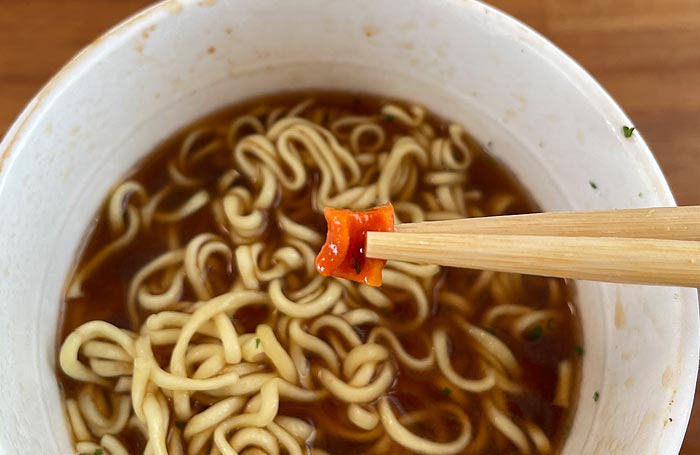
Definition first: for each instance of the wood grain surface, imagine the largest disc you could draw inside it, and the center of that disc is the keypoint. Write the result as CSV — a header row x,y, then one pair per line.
x,y
646,53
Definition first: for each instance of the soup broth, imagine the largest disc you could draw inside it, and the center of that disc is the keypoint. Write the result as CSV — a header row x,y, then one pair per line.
x,y
438,360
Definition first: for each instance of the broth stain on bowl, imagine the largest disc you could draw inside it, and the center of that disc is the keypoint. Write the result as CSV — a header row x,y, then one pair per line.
x,y
174,6
667,377
620,317
370,30
409,25
146,33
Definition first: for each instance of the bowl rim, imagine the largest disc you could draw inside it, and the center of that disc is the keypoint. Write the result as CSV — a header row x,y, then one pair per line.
x,y
24,125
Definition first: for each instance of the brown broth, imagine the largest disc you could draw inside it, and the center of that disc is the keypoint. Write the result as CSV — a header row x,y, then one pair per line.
x,y
104,294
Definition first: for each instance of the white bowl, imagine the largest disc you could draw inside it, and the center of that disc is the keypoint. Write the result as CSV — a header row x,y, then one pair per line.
x,y
539,112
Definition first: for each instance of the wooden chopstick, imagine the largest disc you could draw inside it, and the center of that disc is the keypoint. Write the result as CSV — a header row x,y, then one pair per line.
x,y
618,260
679,223
643,246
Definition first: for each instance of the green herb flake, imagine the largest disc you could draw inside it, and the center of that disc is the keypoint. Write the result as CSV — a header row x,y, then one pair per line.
x,y
257,342
388,118
536,333
490,330
628,130
593,184
98,452
596,397
356,264
446,392
640,194
578,350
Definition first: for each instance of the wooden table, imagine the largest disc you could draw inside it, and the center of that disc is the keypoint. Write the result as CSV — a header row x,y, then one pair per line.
x,y
646,53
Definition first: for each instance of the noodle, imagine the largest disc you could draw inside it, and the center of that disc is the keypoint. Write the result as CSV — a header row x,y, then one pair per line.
x,y
223,340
